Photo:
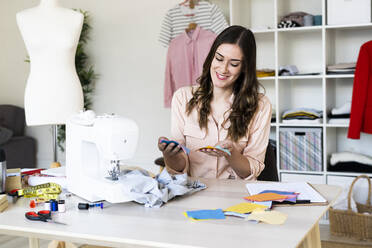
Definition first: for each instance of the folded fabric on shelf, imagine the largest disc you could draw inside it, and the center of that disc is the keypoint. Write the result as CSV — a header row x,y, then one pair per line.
x,y
288,70
350,167
265,73
301,116
288,24
351,71
344,109
341,116
310,112
297,17
350,157
342,66
302,121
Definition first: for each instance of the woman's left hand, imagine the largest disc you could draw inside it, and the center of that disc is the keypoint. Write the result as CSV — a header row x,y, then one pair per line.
x,y
226,144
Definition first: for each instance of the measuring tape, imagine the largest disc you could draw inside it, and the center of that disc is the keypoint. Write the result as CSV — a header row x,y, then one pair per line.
x,y
46,191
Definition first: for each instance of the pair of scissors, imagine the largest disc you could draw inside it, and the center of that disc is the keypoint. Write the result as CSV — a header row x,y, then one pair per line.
x,y
43,215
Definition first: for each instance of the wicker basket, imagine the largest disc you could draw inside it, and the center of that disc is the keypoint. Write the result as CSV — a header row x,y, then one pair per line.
x,y
350,224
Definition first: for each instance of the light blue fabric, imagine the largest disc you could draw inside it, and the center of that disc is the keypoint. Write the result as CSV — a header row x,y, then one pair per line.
x,y
154,192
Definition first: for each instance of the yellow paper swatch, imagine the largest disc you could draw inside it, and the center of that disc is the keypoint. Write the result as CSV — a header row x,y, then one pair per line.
x,y
269,217
244,207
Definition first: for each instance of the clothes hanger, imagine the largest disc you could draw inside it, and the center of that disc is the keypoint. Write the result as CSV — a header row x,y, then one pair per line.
x,y
184,2
191,4
192,26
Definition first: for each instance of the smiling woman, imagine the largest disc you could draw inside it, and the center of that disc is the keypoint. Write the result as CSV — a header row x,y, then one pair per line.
x,y
226,66
225,110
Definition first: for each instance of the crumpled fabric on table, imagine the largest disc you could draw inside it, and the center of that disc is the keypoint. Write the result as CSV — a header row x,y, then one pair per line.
x,y
154,192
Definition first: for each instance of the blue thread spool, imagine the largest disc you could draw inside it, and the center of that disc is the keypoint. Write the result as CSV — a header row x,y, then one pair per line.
x,y
53,205
317,20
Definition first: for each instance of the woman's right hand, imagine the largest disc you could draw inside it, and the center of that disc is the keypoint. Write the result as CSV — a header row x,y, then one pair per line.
x,y
168,150
173,155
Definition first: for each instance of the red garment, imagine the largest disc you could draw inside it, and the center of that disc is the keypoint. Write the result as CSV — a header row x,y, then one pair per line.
x,y
361,105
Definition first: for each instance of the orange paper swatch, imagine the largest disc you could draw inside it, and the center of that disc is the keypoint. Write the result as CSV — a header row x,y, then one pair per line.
x,y
266,197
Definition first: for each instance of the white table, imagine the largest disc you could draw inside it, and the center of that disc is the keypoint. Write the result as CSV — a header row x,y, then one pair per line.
x,y
133,225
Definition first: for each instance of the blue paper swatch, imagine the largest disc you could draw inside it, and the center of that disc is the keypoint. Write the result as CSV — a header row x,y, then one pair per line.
x,y
206,214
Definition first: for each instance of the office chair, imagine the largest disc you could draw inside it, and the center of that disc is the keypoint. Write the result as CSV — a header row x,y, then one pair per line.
x,y
269,173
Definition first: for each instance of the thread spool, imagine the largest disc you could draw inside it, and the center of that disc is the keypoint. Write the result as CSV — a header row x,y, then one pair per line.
x,y
61,206
54,205
47,205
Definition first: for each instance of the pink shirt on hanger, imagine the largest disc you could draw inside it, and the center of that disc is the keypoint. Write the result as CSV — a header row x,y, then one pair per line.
x,y
185,59
185,129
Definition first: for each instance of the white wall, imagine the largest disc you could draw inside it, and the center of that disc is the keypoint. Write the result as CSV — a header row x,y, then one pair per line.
x,y
124,51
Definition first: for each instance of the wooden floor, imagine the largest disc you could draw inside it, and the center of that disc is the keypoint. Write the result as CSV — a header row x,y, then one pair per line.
x,y
330,241
19,242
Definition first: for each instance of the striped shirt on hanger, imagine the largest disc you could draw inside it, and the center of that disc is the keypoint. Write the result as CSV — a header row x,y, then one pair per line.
x,y
207,15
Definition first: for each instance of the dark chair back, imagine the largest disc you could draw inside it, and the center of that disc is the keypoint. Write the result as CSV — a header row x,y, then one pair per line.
x,y
270,172
13,118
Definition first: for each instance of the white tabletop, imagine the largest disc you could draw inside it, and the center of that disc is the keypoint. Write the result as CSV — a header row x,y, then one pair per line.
x,y
132,223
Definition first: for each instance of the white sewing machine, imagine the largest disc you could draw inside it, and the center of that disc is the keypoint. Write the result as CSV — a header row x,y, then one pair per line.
x,y
94,148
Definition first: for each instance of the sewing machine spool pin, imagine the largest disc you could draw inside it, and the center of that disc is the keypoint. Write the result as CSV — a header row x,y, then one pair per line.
x,y
115,171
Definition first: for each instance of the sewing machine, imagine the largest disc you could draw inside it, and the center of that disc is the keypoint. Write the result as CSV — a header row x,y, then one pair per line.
x,y
95,145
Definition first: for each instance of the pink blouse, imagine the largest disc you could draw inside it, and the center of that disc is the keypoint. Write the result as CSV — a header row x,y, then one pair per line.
x,y
185,129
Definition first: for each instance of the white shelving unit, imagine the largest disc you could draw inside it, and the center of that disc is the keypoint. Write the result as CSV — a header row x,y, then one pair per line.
x,y
311,49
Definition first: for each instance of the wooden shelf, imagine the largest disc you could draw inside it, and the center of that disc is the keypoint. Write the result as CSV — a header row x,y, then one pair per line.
x,y
300,125
340,76
301,77
266,78
350,26
300,29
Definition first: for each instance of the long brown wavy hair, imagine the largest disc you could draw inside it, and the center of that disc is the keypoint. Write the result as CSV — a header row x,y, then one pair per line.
x,y
245,88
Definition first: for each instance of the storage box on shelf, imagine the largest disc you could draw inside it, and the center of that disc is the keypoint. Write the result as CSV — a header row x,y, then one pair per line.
x,y
301,149
311,49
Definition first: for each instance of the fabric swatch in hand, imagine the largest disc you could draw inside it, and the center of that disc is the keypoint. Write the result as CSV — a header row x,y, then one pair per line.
x,y
216,148
184,148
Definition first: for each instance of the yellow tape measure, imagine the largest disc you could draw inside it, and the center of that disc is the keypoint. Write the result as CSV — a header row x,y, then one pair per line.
x,y
46,190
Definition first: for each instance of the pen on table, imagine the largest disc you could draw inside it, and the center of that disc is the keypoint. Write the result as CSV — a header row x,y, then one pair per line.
x,y
292,203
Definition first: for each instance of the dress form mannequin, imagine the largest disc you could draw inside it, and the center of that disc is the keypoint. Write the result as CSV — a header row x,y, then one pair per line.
x,y
51,34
